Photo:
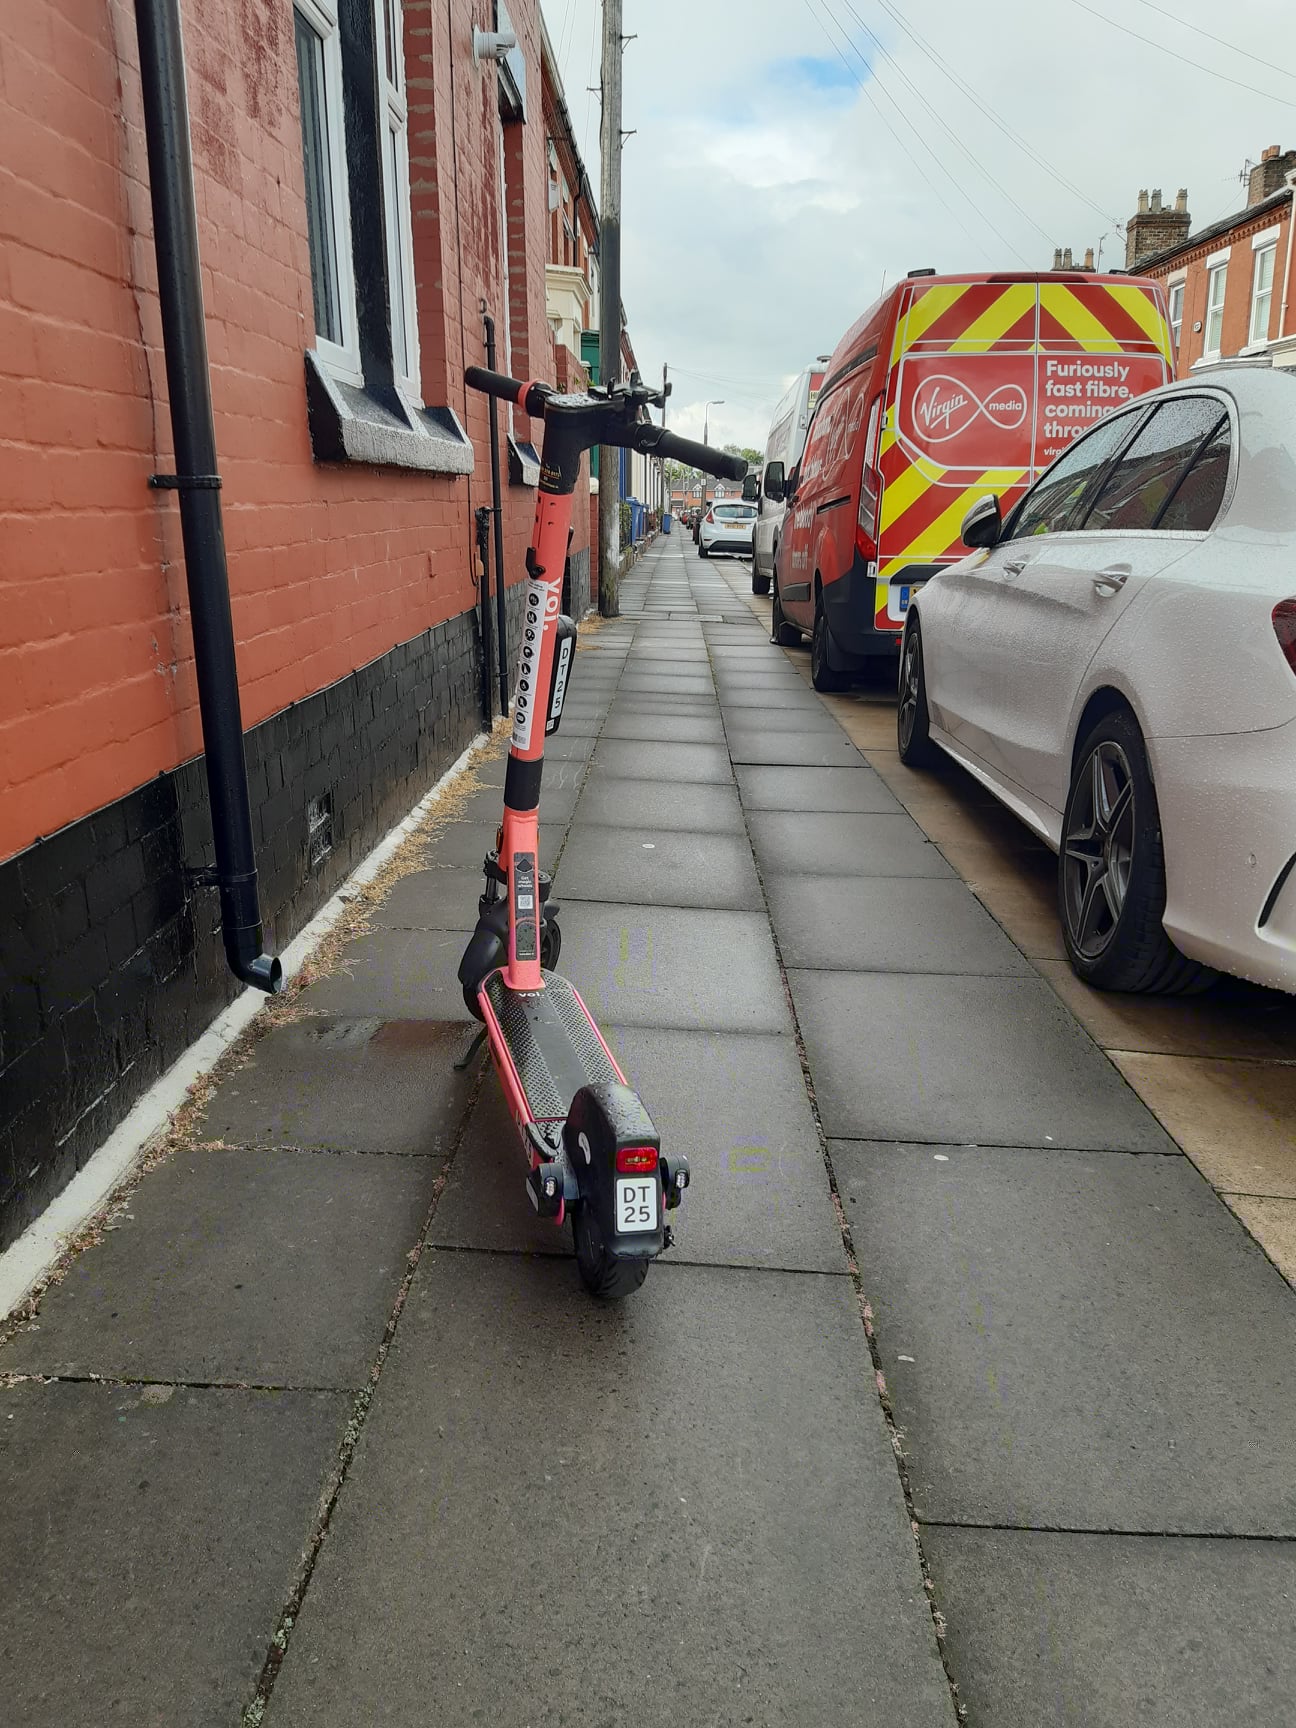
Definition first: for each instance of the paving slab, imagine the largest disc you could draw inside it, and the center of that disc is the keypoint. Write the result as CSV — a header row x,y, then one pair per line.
x,y
842,844
558,775
395,974
816,747
333,1084
570,745
658,867
661,684
638,706
271,1268
150,1540
856,789
666,966
694,806
888,924
1096,1342
751,1536
465,844
487,806
634,758
441,899
735,1105
785,698
1109,1631
993,1061
667,728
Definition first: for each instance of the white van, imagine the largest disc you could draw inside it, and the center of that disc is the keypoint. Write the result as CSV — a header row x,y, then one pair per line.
x,y
786,441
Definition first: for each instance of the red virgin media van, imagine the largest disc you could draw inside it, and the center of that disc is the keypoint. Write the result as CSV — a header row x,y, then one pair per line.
x,y
948,388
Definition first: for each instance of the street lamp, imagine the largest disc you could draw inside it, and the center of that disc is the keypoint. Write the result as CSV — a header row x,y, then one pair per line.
x,y
716,402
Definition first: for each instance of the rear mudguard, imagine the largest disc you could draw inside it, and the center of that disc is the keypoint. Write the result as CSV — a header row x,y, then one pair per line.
x,y
602,1121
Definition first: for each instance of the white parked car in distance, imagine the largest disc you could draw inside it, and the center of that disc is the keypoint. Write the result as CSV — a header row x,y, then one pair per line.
x,y
1117,663
727,527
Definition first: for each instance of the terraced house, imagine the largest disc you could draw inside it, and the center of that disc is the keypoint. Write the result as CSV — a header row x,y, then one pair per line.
x,y
370,187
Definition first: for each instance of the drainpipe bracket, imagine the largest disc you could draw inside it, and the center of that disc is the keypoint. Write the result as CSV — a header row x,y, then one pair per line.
x,y
185,482
200,876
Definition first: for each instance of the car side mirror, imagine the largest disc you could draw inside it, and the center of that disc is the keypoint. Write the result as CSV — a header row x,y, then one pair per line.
x,y
751,489
774,487
983,524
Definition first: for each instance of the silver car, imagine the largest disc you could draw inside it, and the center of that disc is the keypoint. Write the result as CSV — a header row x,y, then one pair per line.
x,y
1117,662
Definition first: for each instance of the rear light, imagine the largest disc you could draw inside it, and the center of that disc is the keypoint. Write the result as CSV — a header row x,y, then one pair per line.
x,y
710,516
636,1160
1284,623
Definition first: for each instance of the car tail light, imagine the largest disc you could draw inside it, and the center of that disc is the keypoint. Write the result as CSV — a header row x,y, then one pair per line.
x,y
710,516
636,1160
1284,623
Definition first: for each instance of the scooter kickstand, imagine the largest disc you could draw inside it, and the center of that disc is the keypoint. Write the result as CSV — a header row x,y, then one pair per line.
x,y
474,1048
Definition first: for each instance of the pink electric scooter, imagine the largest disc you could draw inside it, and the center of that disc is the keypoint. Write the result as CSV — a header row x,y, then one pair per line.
x,y
594,1154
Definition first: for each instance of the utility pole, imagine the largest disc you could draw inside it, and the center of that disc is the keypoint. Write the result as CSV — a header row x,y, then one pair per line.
x,y
610,304
665,484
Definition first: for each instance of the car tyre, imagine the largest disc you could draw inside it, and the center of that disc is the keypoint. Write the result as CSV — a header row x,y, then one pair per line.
x,y
913,722
822,675
760,584
1111,870
702,551
782,634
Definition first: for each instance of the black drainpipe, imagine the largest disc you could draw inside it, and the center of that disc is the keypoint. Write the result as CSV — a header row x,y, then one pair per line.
x,y
497,506
184,339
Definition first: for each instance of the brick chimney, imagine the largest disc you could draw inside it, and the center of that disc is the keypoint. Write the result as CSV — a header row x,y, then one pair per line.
x,y
1269,174
1155,226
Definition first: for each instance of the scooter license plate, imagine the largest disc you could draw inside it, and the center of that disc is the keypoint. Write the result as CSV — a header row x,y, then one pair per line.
x,y
636,1204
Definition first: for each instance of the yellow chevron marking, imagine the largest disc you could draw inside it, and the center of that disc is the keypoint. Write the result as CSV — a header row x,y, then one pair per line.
x,y
930,305
940,534
1076,318
1143,309
983,332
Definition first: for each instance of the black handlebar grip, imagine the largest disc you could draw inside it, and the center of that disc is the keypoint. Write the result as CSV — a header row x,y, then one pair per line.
x,y
494,384
703,456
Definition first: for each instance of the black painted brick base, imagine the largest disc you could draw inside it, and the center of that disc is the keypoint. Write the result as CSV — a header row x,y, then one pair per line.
x,y
112,965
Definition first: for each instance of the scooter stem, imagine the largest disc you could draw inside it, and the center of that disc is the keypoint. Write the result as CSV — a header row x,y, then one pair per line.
x,y
520,848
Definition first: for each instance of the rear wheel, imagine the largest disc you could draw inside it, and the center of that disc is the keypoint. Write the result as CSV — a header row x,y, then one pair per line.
x,y
822,675
781,632
1111,870
603,1273
913,723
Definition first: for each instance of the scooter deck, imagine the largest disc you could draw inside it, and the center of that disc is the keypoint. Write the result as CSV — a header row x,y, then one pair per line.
x,y
555,1046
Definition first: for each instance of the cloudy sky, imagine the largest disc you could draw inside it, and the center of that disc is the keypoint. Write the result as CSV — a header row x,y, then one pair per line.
x,y
790,155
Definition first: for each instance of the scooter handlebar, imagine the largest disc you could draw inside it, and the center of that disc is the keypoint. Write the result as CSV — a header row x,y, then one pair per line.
x,y
529,397
656,441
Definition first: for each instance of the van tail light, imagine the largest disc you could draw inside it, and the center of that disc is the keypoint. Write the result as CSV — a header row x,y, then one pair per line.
x,y
1284,623
636,1160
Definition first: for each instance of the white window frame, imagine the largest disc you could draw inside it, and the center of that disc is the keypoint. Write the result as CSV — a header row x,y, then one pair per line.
x,y
1270,250
1218,272
393,122
341,358
1179,287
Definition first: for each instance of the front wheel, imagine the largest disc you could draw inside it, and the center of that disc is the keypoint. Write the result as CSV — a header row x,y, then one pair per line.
x,y
822,675
1111,870
603,1273
760,584
913,722
783,634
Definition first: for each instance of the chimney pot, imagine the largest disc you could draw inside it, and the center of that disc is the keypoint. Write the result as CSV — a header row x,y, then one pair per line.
x,y
1269,154
1088,263
1181,201
1066,258
1057,257
1156,200
1142,203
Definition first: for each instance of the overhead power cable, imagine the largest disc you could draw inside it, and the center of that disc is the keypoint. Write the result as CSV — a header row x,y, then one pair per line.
x,y
939,119
1218,40
943,172
987,111
1174,54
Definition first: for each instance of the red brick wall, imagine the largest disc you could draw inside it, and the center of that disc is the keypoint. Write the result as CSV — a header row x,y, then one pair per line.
x,y
329,566
1235,334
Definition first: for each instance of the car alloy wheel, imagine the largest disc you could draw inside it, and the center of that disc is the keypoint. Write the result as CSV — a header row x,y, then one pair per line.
x,y
913,722
1098,850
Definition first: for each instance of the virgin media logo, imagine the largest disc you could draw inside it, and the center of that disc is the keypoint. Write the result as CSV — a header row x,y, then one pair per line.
x,y
944,407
